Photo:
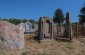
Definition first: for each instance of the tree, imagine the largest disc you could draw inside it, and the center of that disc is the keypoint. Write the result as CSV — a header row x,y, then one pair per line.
x,y
32,21
14,21
24,20
58,16
36,22
82,15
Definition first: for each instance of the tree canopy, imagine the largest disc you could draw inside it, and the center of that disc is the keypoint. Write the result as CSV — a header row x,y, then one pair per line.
x,y
82,15
58,16
18,21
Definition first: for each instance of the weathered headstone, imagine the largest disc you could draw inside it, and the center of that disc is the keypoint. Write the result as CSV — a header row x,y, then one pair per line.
x,y
36,26
11,36
45,29
68,29
28,27
84,29
22,25
55,30
21,34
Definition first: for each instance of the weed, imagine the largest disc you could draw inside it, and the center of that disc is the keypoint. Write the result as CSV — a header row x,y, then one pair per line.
x,y
43,53
70,46
24,53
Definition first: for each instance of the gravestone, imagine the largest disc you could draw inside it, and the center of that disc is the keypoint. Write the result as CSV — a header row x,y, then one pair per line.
x,y
28,27
55,30
11,36
36,26
21,34
22,25
59,27
68,28
45,29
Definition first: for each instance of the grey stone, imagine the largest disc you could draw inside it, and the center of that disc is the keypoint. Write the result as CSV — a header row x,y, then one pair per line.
x,y
11,36
45,29
27,27
68,28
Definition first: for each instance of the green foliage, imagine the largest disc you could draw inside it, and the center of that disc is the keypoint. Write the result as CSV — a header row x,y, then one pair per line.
x,y
32,21
18,21
24,53
82,15
43,53
36,22
58,16
24,20
70,46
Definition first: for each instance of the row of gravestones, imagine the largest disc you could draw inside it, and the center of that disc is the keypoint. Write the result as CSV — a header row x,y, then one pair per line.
x,y
28,27
45,28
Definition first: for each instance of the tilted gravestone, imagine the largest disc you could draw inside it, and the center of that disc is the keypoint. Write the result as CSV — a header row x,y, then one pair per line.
x,y
68,29
45,29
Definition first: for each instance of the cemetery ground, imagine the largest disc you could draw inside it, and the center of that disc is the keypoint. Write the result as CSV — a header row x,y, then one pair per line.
x,y
49,47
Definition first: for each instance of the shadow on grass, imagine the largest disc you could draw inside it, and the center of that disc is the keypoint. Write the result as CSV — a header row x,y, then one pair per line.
x,y
62,39
36,38
59,38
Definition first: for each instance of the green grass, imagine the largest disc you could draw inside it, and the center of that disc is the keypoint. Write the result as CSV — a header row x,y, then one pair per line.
x,y
43,53
24,53
70,46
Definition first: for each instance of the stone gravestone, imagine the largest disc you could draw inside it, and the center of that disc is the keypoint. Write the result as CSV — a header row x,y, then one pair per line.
x,y
28,27
55,30
45,29
21,34
36,26
68,29
11,36
22,25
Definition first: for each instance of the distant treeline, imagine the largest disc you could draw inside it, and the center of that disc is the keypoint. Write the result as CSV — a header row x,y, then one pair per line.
x,y
18,21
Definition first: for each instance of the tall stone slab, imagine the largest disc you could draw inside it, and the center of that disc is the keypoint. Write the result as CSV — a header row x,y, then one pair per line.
x,y
45,29
68,29
21,35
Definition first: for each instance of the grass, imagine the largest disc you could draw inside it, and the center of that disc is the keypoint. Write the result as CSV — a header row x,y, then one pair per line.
x,y
24,53
70,46
43,53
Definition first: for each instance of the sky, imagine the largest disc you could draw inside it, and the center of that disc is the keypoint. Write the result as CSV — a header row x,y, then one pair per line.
x,y
34,9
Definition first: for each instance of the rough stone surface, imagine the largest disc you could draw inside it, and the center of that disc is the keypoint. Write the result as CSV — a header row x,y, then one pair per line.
x,y
68,28
45,30
11,36
26,26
